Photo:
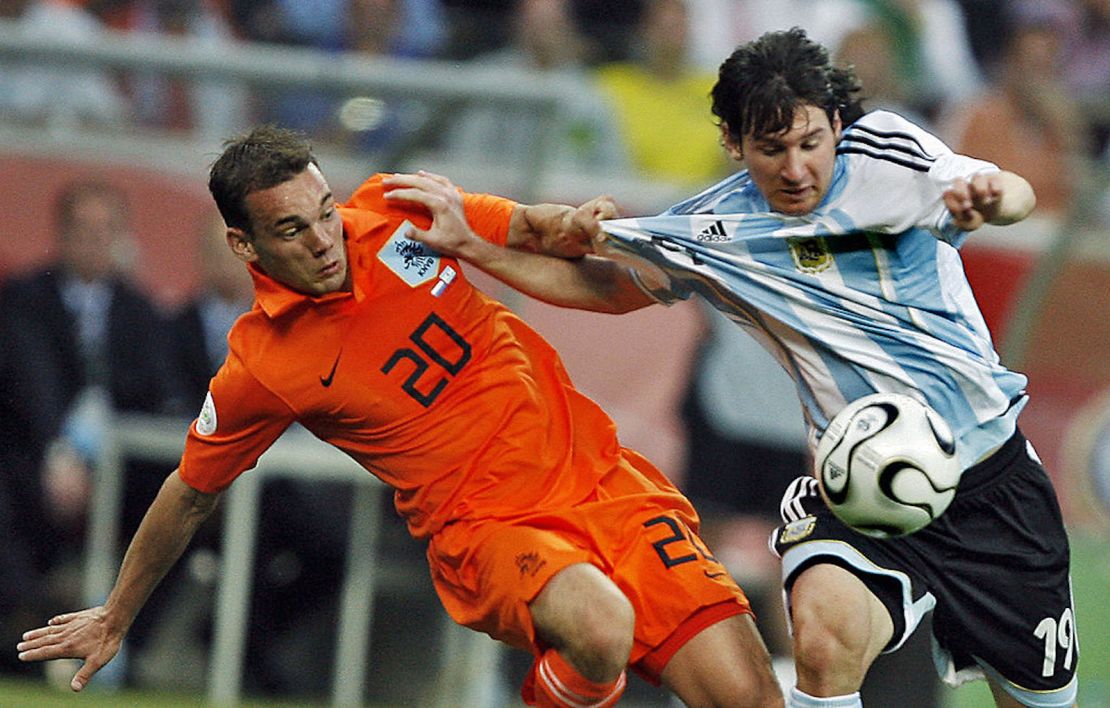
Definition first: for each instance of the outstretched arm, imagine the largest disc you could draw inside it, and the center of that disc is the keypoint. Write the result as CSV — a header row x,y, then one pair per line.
x,y
94,635
549,259
558,229
998,198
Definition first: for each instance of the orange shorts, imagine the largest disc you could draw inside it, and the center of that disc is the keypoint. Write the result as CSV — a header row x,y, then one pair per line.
x,y
637,528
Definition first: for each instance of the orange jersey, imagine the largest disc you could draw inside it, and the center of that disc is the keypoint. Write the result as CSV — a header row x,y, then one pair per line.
x,y
433,387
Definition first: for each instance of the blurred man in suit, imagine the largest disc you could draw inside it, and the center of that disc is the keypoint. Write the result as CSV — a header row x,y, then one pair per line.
x,y
79,339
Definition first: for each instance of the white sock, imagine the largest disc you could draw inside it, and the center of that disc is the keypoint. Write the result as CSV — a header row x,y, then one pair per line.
x,y
800,699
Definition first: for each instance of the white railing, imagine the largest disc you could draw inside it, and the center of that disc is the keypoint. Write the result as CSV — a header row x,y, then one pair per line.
x,y
445,87
297,455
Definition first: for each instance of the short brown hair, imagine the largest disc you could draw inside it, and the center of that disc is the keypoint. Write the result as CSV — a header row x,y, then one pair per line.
x,y
262,158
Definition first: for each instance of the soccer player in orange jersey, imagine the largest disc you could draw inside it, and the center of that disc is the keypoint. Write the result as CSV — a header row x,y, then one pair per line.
x,y
542,530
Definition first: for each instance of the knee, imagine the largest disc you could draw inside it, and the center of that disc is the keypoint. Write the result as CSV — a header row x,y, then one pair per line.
x,y
822,648
758,690
584,616
839,627
604,642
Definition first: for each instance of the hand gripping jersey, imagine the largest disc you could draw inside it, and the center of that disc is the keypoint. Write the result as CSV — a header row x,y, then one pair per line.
x,y
866,293
438,390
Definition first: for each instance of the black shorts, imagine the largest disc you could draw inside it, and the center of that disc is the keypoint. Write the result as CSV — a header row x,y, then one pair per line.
x,y
993,569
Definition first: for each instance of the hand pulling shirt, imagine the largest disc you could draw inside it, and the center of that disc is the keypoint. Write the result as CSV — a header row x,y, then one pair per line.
x,y
433,387
866,293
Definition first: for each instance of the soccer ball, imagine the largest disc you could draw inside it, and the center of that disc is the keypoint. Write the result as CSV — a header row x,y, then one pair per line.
x,y
887,465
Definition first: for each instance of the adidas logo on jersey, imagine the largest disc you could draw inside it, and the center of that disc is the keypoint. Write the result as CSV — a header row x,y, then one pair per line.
x,y
714,233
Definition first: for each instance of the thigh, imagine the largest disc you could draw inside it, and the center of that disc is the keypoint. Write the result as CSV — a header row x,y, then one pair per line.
x,y
580,600
1004,601
828,600
674,582
487,573
726,663
893,575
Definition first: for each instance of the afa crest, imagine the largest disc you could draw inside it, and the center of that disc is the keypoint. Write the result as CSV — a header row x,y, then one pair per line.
x,y
811,254
411,260
797,530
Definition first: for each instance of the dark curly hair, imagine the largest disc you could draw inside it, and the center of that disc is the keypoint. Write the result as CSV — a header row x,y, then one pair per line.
x,y
764,82
262,158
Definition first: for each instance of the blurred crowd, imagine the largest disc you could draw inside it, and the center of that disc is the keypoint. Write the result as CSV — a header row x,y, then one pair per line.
x,y
636,72
1023,83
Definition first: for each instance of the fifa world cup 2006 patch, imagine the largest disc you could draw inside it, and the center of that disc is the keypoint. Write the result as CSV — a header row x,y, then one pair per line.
x,y
811,254
797,530
206,420
412,261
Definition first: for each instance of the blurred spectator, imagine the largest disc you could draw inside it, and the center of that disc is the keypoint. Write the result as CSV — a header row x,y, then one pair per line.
x,y
258,20
546,42
212,108
987,21
369,28
745,442
385,125
719,27
1025,118
825,21
924,43
933,50
661,102
49,94
199,329
79,339
420,29
1088,71
422,32
871,51
1086,66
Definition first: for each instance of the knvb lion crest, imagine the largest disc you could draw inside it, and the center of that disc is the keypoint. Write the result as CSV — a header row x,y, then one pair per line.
x,y
412,261
810,254
529,563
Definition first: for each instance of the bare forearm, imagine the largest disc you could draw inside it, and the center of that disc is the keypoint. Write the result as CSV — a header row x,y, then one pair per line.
x,y
557,229
94,635
536,227
547,246
165,532
586,283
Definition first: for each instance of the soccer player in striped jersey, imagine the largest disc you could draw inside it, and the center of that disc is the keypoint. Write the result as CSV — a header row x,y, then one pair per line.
x,y
837,248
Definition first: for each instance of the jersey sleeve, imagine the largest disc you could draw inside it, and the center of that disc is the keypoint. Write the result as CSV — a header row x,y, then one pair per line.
x,y
489,216
946,169
896,175
239,421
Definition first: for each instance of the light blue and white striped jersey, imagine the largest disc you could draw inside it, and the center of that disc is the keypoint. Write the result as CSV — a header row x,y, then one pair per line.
x,y
866,293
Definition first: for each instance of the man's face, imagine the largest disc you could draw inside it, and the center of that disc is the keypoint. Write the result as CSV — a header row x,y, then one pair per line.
x,y
297,235
97,228
793,170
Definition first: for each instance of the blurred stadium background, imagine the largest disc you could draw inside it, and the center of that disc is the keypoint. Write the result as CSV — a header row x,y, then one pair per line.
x,y
1045,292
